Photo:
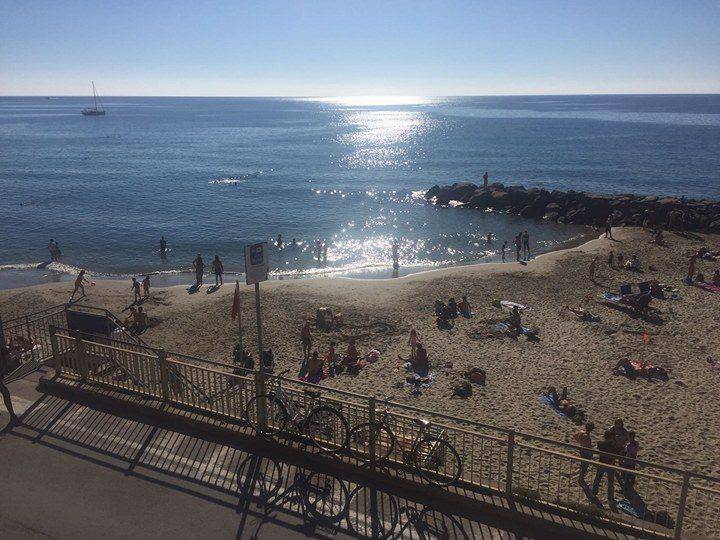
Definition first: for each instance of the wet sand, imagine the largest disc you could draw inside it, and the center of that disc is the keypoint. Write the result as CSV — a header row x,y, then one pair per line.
x,y
676,422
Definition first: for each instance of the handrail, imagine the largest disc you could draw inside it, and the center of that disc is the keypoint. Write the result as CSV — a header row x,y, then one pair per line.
x,y
8,321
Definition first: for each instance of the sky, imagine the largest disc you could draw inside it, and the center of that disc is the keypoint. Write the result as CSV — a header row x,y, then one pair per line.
x,y
336,48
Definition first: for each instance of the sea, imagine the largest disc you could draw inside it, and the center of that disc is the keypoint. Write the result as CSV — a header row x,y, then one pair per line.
x,y
214,174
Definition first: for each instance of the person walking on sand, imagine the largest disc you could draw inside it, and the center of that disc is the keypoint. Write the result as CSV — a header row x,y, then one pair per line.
x,y
146,287
608,227
503,249
413,342
486,177
518,247
306,339
526,245
4,368
607,449
135,288
584,438
80,280
199,266
591,269
218,270
163,246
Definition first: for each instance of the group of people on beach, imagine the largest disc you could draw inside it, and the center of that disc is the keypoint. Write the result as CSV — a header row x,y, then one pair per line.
x,y
216,267
521,241
315,368
618,447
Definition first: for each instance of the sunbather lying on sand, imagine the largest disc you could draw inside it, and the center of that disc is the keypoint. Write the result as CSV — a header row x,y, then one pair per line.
x,y
582,313
563,404
640,369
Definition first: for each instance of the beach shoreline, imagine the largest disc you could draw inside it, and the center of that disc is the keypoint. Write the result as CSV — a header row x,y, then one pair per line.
x,y
671,419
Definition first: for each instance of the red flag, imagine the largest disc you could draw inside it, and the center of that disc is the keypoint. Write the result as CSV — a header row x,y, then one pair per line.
x,y
236,303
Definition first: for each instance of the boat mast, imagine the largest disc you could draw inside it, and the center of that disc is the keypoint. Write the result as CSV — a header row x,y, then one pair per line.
x,y
94,95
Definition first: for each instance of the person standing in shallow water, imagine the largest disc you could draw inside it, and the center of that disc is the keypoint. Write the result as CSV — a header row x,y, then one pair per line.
x,y
163,246
526,244
518,246
199,266
503,249
395,255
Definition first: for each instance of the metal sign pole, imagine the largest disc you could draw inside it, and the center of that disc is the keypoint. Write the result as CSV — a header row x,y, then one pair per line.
x,y
259,324
239,317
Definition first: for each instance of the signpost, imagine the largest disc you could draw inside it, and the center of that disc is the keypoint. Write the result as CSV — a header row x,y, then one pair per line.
x,y
256,270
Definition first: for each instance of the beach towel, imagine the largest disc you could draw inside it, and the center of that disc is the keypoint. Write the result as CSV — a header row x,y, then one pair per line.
x,y
549,402
508,305
610,297
707,286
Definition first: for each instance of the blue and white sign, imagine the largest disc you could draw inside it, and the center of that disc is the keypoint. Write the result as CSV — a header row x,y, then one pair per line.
x,y
256,263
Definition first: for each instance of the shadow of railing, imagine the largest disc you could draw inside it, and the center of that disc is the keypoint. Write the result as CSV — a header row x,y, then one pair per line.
x,y
266,488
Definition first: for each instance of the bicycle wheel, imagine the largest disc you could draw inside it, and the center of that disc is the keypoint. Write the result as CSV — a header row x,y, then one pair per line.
x,y
326,497
327,429
372,513
437,461
276,415
360,437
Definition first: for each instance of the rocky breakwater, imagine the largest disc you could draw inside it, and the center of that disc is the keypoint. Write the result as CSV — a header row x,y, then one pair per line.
x,y
582,208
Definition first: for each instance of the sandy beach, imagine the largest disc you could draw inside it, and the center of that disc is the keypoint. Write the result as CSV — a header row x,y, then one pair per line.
x,y
675,421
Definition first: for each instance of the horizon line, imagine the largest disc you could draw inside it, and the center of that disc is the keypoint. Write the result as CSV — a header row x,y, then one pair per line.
x,y
326,96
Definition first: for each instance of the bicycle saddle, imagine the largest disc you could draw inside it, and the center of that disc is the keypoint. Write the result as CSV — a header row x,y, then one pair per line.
x,y
422,422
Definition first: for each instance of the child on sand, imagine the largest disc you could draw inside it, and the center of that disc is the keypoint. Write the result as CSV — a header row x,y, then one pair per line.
x,y
79,285
146,287
135,288
413,342
464,307
306,339
592,268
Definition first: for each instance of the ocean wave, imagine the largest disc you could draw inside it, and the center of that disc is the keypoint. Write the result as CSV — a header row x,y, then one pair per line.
x,y
233,180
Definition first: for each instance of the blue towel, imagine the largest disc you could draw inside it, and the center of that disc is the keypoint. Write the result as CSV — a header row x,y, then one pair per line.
x,y
547,401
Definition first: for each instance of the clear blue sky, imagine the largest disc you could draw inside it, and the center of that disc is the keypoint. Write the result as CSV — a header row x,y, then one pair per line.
x,y
327,48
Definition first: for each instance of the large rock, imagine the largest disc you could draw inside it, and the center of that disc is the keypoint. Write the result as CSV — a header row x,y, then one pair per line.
x,y
456,192
432,192
500,199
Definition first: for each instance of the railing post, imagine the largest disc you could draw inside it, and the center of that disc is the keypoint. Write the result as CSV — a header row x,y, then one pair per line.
x,y
260,391
80,361
681,506
371,420
55,351
509,468
29,336
164,375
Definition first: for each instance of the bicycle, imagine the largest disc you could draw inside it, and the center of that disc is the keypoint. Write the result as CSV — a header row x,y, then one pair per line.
x,y
430,524
269,414
432,456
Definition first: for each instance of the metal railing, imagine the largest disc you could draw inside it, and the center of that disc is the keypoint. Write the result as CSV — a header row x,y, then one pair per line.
x,y
665,501
28,336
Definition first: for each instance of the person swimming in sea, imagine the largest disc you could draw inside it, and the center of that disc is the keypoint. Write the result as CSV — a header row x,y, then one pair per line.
x,y
163,245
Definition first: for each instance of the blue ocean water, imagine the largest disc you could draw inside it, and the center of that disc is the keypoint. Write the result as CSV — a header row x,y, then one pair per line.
x,y
212,174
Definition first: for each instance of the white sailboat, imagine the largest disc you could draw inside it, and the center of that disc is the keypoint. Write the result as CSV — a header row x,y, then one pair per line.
x,y
95,110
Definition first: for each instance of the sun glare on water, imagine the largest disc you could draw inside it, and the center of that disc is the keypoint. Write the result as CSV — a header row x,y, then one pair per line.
x,y
375,101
